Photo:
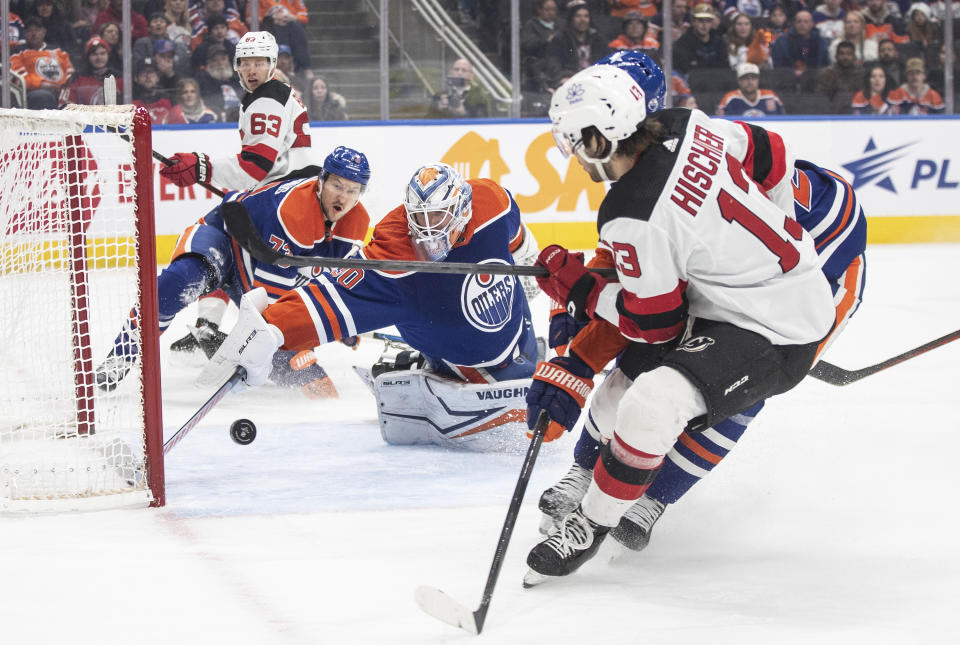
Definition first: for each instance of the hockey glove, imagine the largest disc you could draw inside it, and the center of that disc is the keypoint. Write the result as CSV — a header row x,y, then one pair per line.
x,y
188,168
560,386
562,329
570,282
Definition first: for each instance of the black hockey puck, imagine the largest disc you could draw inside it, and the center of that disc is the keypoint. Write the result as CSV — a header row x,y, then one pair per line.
x,y
243,431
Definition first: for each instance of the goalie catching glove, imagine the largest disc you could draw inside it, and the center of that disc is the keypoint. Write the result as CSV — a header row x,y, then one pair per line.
x,y
560,386
251,345
188,168
570,282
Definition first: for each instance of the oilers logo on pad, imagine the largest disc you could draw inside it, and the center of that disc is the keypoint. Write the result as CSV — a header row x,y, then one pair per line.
x,y
487,300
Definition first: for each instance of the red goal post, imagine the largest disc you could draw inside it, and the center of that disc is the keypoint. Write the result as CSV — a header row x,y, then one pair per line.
x,y
77,259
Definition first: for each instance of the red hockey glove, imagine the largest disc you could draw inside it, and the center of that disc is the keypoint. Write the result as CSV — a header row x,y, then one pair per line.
x,y
188,168
570,282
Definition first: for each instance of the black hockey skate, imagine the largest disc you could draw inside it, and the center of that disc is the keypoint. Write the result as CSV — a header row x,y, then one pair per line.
x,y
563,497
576,540
204,336
635,526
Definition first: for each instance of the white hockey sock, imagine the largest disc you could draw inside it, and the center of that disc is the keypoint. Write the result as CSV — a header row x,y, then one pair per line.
x,y
602,508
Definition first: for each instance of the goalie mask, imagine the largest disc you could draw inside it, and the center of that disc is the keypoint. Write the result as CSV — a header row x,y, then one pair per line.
x,y
256,44
438,205
601,97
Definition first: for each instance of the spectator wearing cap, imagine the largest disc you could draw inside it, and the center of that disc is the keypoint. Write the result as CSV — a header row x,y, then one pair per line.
x,y
702,47
59,30
215,10
916,96
748,99
46,71
147,93
168,77
287,21
190,107
842,80
636,34
219,85
536,32
217,33
801,47
114,13
298,80
577,46
144,47
87,87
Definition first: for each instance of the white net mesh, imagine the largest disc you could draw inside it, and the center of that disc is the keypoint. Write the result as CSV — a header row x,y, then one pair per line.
x,y
68,281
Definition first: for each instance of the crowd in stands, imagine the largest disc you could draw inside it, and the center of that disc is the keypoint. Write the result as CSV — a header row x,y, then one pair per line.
x,y
734,57
755,57
182,55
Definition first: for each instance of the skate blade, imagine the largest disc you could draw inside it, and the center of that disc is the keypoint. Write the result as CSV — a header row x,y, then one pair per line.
x,y
532,579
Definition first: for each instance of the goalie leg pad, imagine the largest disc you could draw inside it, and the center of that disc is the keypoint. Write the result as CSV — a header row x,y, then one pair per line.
x,y
420,407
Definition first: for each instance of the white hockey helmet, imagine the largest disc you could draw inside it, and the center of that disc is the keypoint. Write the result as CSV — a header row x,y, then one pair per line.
x,y
438,202
256,44
602,96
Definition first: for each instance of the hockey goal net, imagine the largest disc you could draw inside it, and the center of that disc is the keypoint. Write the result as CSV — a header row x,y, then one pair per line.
x,y
77,261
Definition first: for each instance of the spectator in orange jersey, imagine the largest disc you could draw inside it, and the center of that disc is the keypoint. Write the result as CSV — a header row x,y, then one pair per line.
x,y
915,96
635,34
623,8
873,99
881,23
46,72
749,99
16,28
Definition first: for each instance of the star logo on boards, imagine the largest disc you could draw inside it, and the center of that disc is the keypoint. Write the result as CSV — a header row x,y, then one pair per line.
x,y
874,166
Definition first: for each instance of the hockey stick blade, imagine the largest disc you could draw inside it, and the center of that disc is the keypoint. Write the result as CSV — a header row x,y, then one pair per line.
x,y
244,231
443,607
238,375
834,375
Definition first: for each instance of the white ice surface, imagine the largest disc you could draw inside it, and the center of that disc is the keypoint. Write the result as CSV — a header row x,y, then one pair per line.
x,y
834,520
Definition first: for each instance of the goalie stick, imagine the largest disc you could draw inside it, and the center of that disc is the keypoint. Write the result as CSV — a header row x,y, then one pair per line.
x,y
441,606
829,373
244,231
238,375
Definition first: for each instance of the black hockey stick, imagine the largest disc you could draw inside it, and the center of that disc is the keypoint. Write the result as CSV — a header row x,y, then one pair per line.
x,y
441,606
167,162
829,373
241,227
238,375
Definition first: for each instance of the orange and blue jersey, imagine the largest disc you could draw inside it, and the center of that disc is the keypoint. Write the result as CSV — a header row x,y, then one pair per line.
x,y
474,327
289,218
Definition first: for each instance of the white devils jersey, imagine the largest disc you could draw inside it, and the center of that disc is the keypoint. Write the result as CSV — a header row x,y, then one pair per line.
x,y
274,139
693,235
